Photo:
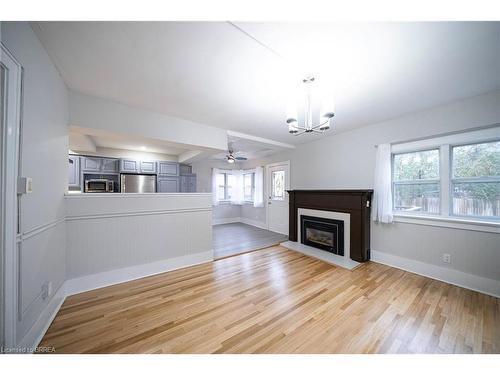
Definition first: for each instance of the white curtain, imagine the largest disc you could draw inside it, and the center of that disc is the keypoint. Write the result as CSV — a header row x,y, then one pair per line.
x,y
258,194
215,188
237,194
382,200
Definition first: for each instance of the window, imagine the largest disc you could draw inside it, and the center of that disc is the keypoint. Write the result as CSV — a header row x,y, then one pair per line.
x,y
416,182
248,186
455,176
278,185
225,183
475,182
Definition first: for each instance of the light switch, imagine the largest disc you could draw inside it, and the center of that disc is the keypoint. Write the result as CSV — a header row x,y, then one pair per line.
x,y
24,185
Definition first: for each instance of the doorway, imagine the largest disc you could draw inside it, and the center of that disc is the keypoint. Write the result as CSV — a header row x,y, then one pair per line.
x,y
278,182
10,115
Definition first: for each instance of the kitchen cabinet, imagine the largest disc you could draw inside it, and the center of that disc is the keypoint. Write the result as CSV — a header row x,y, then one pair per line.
x,y
109,165
167,184
188,183
185,169
91,164
129,166
169,168
73,171
148,167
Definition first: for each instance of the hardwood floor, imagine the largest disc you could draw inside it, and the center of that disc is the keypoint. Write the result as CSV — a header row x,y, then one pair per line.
x,y
278,301
237,238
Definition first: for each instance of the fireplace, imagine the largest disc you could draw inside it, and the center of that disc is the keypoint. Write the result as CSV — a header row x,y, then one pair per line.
x,y
350,206
323,233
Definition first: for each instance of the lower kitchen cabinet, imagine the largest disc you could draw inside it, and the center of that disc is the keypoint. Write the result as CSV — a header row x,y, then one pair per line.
x,y
167,185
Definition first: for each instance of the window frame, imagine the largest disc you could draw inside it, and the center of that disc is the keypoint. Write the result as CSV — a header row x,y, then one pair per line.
x,y
417,182
226,199
252,173
445,144
453,180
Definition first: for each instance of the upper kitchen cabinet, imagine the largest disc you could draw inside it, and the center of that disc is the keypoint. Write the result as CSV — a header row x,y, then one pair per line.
x,y
91,164
185,169
148,167
109,165
74,171
187,183
129,166
168,168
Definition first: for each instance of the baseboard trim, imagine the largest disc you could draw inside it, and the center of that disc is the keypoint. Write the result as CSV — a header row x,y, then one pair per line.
x,y
121,275
244,220
254,223
35,335
228,220
465,280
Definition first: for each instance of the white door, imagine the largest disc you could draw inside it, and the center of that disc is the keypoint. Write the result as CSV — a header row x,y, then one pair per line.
x,y
278,182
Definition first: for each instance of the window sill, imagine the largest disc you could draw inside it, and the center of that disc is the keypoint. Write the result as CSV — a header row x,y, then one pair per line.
x,y
449,222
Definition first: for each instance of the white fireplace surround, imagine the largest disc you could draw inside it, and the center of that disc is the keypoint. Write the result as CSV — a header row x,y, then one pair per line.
x,y
339,260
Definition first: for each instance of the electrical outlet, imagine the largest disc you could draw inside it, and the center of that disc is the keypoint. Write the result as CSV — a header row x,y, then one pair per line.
x,y
446,258
46,290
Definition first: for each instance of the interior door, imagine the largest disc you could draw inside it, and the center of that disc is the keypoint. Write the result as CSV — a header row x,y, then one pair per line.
x,y
278,182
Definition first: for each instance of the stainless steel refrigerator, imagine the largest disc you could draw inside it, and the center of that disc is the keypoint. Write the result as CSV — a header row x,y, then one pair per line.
x,y
138,183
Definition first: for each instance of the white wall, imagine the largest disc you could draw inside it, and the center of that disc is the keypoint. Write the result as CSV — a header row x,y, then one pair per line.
x,y
347,160
44,158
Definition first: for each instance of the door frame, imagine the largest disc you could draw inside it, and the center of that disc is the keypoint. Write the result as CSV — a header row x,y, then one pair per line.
x,y
267,183
10,128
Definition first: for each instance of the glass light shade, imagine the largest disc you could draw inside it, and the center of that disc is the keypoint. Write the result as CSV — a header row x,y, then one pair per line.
x,y
292,126
326,125
327,109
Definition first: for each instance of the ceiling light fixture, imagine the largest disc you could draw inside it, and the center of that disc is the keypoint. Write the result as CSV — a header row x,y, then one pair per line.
x,y
327,112
230,158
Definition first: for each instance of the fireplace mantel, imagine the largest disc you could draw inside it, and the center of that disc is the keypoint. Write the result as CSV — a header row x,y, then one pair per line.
x,y
356,203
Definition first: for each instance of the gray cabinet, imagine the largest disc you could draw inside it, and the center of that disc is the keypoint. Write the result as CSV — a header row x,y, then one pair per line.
x,y
91,164
188,183
185,169
109,165
167,184
94,164
129,166
168,168
73,171
148,167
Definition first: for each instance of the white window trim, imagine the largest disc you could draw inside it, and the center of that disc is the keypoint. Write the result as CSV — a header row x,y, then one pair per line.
x,y
445,144
252,172
225,172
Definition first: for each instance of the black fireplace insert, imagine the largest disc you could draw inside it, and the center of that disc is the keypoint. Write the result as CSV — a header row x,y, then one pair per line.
x,y
322,233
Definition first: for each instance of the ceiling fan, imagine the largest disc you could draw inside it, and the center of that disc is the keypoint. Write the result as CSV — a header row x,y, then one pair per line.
x,y
230,156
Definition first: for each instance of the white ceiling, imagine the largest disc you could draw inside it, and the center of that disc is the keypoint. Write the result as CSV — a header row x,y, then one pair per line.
x,y
123,141
249,148
213,73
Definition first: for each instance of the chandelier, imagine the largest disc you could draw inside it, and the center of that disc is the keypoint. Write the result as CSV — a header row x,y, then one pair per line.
x,y
309,126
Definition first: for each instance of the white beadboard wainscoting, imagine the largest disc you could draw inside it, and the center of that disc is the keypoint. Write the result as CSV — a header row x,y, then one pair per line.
x,y
110,232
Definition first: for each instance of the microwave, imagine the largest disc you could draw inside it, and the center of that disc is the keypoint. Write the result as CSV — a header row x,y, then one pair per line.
x,y
100,185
